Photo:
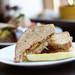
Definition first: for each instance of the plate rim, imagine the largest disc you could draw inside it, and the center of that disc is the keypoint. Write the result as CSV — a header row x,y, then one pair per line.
x,y
40,64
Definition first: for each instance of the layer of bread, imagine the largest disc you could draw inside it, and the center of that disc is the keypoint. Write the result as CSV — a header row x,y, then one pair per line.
x,y
32,36
60,41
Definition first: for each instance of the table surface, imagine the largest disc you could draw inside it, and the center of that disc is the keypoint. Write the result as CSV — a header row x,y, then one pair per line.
x,y
62,69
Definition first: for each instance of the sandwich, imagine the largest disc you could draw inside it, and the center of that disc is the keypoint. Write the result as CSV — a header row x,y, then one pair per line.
x,y
34,40
40,40
60,42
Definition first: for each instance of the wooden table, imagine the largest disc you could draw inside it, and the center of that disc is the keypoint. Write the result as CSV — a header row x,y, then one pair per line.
x,y
62,69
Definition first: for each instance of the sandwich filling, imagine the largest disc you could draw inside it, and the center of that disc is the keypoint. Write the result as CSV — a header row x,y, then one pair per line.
x,y
38,47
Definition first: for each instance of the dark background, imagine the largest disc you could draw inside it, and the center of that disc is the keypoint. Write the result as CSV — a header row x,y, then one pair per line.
x,y
64,24
61,69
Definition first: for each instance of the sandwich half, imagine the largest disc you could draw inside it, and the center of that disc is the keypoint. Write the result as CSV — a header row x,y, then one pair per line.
x,y
33,41
60,42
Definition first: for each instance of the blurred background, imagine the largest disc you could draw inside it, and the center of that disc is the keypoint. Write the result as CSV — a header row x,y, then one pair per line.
x,y
16,16
32,8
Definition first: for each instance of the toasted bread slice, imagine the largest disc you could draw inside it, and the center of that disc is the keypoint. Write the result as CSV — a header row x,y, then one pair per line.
x,y
31,37
60,42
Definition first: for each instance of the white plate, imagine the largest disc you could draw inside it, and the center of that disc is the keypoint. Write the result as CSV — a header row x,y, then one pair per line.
x,y
7,57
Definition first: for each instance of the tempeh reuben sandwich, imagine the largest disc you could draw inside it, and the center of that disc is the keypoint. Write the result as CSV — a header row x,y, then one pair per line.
x,y
40,39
